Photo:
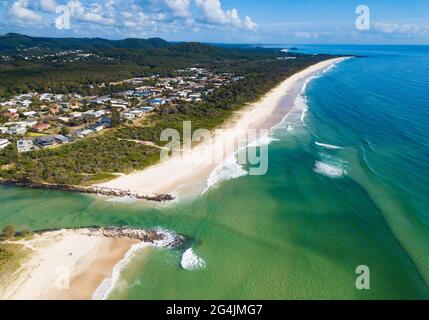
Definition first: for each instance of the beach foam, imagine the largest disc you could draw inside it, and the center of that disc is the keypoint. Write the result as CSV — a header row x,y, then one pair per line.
x,y
301,101
263,141
328,146
329,169
227,170
190,261
301,104
121,200
111,282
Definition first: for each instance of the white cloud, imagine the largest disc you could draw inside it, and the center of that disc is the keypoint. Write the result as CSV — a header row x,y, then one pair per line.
x,y
96,14
399,28
214,14
136,17
48,5
21,12
179,8
306,35
97,18
249,24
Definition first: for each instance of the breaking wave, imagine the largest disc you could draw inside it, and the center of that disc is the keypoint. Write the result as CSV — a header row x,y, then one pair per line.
x,y
227,170
329,169
230,168
263,141
190,261
121,200
328,146
301,101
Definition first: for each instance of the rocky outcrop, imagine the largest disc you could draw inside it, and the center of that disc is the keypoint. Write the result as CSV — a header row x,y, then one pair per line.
x,y
90,190
157,237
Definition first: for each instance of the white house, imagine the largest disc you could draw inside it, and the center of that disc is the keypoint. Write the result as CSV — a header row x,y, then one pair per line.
x,y
128,116
29,114
76,114
147,109
4,143
64,119
137,113
195,95
3,130
157,101
24,145
84,133
17,130
30,123
97,127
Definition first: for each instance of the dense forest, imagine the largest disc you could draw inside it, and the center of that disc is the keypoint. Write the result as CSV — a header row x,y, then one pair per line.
x,y
14,42
99,158
39,70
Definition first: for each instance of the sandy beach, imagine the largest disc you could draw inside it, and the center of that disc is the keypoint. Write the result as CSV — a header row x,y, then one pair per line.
x,y
78,264
186,176
64,265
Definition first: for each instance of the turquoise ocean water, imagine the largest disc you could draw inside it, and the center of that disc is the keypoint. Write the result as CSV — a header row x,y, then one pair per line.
x,y
347,186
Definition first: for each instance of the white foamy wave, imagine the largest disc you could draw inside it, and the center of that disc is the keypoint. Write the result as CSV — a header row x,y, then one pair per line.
x,y
330,68
227,170
329,170
334,65
121,200
301,100
111,282
190,261
328,146
301,105
303,116
263,141
168,240
290,128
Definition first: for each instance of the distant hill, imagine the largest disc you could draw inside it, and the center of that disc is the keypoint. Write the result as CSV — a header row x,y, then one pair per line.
x,y
14,41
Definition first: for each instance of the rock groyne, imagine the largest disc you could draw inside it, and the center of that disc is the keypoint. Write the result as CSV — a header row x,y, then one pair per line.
x,y
90,190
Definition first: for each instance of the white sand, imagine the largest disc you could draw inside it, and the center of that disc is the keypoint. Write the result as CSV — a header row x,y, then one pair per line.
x,y
60,255
180,177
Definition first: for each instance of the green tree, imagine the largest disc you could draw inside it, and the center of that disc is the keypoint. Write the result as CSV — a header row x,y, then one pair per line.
x,y
24,232
116,118
9,231
65,130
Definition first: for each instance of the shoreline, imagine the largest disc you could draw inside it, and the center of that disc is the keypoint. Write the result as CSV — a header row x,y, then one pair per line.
x,y
179,177
71,264
169,180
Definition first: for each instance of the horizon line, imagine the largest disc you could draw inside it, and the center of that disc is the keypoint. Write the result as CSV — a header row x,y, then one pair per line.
x,y
222,43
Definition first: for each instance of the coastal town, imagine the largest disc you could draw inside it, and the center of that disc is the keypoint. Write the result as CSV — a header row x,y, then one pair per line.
x,y
35,121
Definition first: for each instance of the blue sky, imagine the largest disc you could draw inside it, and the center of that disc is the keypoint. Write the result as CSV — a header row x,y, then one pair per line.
x,y
232,21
